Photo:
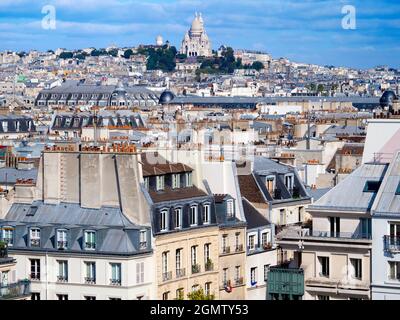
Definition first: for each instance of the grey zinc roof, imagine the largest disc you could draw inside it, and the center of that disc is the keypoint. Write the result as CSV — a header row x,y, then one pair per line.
x,y
264,166
10,175
387,200
349,194
67,214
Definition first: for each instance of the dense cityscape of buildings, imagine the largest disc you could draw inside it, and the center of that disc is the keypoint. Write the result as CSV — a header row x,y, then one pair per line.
x,y
267,180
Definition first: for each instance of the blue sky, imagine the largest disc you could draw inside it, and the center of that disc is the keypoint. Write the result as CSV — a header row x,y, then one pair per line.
x,y
301,30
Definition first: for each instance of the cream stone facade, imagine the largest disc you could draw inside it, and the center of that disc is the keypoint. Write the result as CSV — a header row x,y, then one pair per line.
x,y
180,278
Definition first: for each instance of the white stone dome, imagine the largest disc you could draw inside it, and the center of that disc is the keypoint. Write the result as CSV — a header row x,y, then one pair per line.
x,y
159,41
197,26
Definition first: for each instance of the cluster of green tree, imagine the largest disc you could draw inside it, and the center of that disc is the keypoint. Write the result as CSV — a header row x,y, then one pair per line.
x,y
160,59
200,295
225,64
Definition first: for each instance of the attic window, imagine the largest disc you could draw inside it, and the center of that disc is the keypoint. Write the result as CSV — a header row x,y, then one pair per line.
x,y
398,190
32,210
372,186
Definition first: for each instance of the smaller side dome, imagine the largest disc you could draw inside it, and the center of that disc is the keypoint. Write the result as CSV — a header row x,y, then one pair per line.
x,y
166,97
387,99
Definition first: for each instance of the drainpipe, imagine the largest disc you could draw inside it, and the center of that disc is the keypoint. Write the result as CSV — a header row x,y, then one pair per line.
x,y
47,278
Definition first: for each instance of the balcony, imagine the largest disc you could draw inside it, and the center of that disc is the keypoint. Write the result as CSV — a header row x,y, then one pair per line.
x,y
62,279
90,280
142,245
226,285
166,276
35,243
180,273
115,282
226,250
239,281
196,269
209,266
90,245
337,235
15,291
260,247
392,244
239,248
35,276
285,282
62,245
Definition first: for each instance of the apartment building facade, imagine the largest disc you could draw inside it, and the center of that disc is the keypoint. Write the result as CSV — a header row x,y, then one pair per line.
x,y
335,253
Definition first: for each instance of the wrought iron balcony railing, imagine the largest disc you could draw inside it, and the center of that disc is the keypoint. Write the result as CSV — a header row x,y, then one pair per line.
x,y
167,276
16,290
180,273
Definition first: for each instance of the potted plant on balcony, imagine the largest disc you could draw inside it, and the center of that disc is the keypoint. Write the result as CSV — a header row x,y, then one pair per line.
x,y
267,246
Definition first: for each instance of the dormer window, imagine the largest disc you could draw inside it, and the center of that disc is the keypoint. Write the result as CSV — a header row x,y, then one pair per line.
x,y
176,181
90,240
178,218
164,220
35,237
160,183
398,190
206,214
8,235
289,181
188,180
229,208
62,242
193,215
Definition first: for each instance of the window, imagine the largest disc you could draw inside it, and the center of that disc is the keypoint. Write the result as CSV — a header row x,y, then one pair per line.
x,y
35,269
90,276
62,275
160,183
225,276
143,239
62,239
90,240
356,268
253,276
229,208
178,218
266,270
180,294
90,298
165,296
165,262
289,181
195,287
237,273
207,288
206,214
35,296
147,183
116,274
238,247
176,181
193,215
225,246
335,226
164,221
394,231
8,235
178,263
252,242
207,253
140,272
398,190
323,266
35,237
324,298
115,299
372,186
62,296
194,255
394,270
188,179
264,239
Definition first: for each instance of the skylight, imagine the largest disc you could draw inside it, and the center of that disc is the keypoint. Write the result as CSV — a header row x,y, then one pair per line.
x,y
372,186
